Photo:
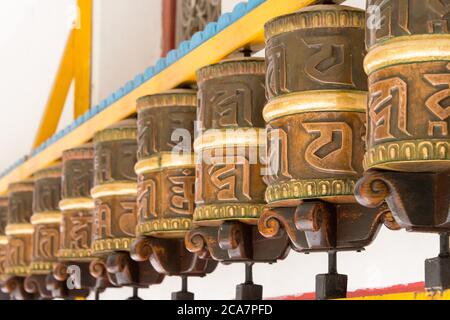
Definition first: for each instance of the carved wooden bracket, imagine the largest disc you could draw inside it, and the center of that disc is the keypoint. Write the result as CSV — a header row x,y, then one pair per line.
x,y
121,270
37,286
236,242
320,226
15,287
170,257
419,201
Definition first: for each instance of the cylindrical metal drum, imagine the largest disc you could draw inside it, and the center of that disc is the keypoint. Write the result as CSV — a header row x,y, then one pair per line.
x,y
46,219
77,204
166,164
408,64
3,237
316,88
229,180
19,230
115,188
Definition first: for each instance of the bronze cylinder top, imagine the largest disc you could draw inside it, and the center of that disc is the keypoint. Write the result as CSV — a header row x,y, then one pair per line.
x,y
20,202
320,47
166,166
231,94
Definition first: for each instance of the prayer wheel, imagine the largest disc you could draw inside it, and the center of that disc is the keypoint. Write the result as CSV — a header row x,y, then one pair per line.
x,y
166,184
317,93
229,182
3,243
115,217
408,140
46,221
19,231
77,206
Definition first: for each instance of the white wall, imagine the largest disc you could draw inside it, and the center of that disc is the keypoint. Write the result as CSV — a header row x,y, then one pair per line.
x,y
32,38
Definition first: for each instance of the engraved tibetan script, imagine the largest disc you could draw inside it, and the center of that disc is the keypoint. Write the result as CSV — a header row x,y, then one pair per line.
x,y
224,172
331,63
332,151
183,190
382,105
276,77
436,101
231,105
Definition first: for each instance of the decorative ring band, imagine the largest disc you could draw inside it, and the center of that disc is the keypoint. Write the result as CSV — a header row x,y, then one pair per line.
x,y
408,49
115,189
165,161
315,101
76,204
19,229
46,218
244,137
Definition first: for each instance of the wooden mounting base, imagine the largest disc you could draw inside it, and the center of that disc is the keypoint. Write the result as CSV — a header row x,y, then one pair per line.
x,y
121,270
15,288
317,226
37,285
170,257
419,202
234,241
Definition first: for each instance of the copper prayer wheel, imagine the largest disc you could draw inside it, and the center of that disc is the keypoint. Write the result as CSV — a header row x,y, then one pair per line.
x,y
230,184
115,217
166,185
115,188
408,141
166,164
3,243
19,231
77,207
46,221
408,64
317,94
76,203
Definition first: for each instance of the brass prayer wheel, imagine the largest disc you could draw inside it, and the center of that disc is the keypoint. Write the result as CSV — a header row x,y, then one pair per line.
x,y
19,229
115,188
166,163
408,64
115,216
3,244
317,93
46,220
19,232
76,204
3,237
230,182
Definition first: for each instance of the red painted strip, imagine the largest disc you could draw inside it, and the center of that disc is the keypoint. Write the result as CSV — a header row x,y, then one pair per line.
x,y
401,288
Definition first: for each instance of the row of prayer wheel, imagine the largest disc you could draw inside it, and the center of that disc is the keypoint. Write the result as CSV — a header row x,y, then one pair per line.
x,y
299,150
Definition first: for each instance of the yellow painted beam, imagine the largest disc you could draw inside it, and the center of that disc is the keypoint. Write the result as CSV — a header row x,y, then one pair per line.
x,y
247,30
82,57
58,95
